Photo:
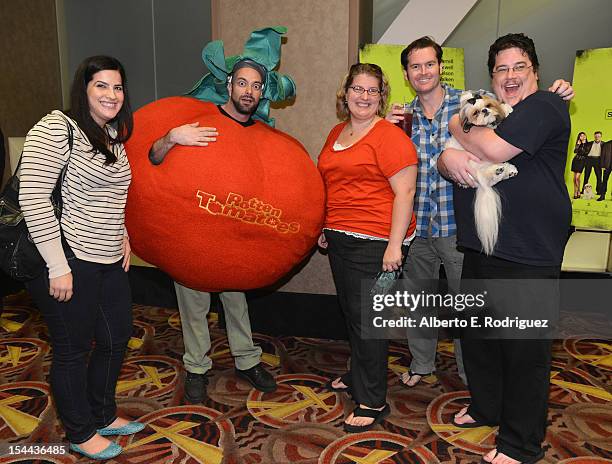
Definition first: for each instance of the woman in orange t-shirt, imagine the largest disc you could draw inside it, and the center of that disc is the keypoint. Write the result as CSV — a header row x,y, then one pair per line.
x,y
369,170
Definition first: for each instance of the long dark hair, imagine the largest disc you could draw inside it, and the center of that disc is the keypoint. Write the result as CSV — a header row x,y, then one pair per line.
x,y
578,138
80,112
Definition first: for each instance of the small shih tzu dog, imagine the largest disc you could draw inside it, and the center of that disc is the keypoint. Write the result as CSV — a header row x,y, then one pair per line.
x,y
588,193
483,111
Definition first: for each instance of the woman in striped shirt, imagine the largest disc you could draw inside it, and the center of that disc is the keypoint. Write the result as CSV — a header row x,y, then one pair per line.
x,y
85,295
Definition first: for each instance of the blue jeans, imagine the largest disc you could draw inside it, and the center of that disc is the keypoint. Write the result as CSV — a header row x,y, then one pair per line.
x,y
89,336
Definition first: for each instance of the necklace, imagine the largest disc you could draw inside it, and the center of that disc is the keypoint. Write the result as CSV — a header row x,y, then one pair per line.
x,y
352,131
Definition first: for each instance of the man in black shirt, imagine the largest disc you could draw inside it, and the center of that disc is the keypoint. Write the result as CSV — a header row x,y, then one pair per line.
x,y
509,378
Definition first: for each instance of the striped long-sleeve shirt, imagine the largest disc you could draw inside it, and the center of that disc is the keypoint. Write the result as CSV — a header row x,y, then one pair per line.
x,y
93,194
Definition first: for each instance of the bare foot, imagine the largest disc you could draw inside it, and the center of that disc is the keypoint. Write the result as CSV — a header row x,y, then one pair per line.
x,y
499,458
411,380
119,422
462,417
95,444
361,421
338,383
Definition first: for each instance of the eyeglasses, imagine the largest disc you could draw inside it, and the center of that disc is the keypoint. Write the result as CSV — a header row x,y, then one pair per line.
x,y
374,91
517,68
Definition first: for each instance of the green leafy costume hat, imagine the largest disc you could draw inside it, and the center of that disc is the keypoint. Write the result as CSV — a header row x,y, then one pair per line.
x,y
263,47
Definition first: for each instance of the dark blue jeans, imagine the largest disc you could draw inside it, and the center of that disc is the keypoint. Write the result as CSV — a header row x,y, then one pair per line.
x,y
89,336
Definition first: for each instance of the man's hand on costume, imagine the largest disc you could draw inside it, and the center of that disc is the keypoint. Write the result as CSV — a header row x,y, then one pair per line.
x,y
189,134
193,135
563,89
396,113
455,166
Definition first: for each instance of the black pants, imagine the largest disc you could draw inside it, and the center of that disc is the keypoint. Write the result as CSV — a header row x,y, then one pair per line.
x,y
604,182
353,261
509,379
592,163
83,374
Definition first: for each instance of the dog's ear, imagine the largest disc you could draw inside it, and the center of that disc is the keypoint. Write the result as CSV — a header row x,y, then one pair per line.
x,y
463,113
465,96
507,109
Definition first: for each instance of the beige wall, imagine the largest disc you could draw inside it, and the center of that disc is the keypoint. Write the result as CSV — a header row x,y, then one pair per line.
x,y
314,53
30,78
321,43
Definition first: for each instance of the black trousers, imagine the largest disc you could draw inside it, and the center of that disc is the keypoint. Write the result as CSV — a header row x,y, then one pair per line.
x,y
509,379
353,261
89,336
604,182
592,163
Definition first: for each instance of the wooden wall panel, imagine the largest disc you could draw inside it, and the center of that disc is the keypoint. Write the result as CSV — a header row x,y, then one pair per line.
x,y
314,54
30,84
321,43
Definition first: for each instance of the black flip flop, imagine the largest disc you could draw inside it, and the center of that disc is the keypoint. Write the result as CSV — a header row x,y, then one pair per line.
x,y
344,379
375,414
469,425
410,374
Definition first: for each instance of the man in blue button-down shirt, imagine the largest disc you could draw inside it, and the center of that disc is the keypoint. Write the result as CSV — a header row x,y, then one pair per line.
x,y
435,241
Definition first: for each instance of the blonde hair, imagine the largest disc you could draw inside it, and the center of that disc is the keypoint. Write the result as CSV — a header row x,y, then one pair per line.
x,y
369,69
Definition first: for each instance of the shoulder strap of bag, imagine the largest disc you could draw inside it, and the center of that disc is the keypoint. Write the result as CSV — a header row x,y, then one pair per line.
x,y
57,191
70,144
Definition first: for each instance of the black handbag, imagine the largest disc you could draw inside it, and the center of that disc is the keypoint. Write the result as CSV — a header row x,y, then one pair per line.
x,y
19,257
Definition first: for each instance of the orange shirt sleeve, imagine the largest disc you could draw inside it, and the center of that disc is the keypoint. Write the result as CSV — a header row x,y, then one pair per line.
x,y
395,150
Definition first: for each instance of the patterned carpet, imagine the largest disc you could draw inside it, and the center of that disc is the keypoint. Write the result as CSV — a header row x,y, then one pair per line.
x,y
300,422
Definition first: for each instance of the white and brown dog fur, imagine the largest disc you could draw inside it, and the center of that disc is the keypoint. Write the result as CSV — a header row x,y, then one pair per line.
x,y
588,193
483,111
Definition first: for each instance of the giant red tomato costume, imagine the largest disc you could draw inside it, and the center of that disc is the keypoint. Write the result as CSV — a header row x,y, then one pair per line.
x,y
237,214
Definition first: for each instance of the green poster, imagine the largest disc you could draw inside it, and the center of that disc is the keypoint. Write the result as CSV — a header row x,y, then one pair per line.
x,y
388,58
591,111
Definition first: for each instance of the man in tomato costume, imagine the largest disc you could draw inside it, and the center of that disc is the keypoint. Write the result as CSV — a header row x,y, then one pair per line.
x,y
252,200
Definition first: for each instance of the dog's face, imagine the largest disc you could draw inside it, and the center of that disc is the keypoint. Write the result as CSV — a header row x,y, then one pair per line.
x,y
588,194
480,110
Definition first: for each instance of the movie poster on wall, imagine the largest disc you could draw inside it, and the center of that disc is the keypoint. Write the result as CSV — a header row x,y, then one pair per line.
x,y
388,58
589,161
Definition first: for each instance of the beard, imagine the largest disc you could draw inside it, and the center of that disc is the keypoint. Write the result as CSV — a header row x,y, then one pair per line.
x,y
246,105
